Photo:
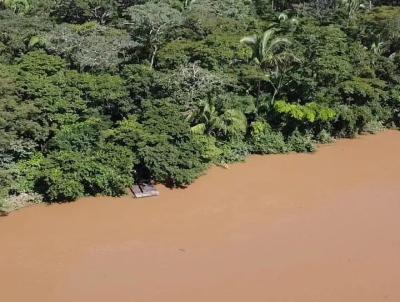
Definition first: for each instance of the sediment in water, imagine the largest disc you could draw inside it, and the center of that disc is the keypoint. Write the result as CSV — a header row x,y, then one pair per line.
x,y
298,227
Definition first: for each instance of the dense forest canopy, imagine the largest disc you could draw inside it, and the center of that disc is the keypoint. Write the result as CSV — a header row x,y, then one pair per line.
x,y
97,94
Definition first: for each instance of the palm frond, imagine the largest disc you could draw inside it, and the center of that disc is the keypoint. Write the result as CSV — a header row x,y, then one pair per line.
x,y
249,40
267,36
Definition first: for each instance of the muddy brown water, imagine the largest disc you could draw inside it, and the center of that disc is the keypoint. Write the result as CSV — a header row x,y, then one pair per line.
x,y
301,228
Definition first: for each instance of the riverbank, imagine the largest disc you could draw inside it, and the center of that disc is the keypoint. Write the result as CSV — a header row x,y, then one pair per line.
x,y
298,227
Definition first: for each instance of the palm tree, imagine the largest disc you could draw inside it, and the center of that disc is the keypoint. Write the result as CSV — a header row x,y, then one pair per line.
x,y
229,123
293,22
267,49
272,55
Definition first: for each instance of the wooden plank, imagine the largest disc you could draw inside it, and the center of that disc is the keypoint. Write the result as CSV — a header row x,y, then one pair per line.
x,y
144,190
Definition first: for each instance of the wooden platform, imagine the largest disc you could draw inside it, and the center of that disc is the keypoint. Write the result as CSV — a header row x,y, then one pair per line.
x,y
144,190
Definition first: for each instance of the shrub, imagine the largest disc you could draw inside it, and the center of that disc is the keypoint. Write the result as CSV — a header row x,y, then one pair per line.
x,y
209,152
11,197
19,201
67,175
324,137
3,210
373,127
311,112
233,151
264,140
301,142
173,164
352,119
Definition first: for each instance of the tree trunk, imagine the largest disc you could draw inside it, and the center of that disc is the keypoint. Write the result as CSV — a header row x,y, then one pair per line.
x,y
153,56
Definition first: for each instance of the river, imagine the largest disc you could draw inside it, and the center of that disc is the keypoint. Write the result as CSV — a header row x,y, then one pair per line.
x,y
283,228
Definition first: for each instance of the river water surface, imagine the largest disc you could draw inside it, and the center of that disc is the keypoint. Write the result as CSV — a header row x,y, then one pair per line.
x,y
288,228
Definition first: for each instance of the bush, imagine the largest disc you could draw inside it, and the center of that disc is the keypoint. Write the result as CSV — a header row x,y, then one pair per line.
x,y
352,119
324,137
11,197
373,127
78,137
3,207
269,143
173,164
68,175
209,152
266,141
301,142
233,151
19,201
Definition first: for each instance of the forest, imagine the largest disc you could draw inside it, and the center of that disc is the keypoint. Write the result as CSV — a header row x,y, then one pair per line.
x,y
96,95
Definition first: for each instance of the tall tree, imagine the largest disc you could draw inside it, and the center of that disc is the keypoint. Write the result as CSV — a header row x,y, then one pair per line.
x,y
151,23
272,55
208,119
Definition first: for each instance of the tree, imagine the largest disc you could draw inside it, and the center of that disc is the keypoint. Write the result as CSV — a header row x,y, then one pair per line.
x,y
68,175
166,149
240,10
17,31
80,11
151,24
191,84
271,54
230,123
84,45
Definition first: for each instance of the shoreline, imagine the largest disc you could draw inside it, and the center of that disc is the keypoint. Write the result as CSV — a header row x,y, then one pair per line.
x,y
215,166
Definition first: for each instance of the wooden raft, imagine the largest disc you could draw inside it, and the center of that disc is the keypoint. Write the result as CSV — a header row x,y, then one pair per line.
x,y
144,190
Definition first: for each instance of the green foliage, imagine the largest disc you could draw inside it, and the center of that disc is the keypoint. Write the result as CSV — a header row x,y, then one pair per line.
x,y
373,127
324,137
240,10
190,85
209,16
40,64
105,91
360,90
84,45
352,120
233,151
152,22
215,51
208,150
17,6
3,209
176,164
299,142
382,24
228,124
79,11
169,151
78,137
164,144
263,140
67,175
311,112
98,94
17,31
128,132
6,183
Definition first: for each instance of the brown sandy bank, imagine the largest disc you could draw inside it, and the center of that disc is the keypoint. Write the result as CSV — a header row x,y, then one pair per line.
x,y
302,228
